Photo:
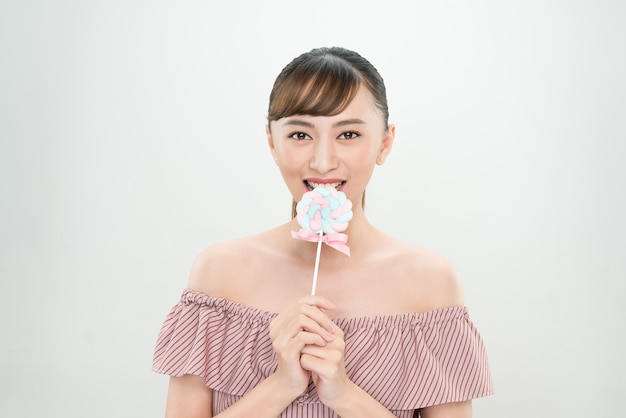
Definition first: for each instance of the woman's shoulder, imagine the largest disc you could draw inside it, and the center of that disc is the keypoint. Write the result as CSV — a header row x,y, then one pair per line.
x,y
219,266
426,273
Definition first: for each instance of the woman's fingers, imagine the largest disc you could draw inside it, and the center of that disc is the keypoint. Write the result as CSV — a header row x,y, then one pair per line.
x,y
302,324
305,314
318,301
310,322
326,361
307,344
314,307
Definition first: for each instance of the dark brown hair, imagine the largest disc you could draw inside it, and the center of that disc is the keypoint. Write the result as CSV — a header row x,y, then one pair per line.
x,y
323,82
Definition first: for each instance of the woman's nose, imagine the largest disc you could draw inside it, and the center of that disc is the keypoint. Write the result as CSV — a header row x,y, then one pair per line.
x,y
324,158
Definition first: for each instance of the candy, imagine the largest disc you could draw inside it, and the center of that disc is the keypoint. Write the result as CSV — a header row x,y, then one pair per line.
x,y
323,213
324,209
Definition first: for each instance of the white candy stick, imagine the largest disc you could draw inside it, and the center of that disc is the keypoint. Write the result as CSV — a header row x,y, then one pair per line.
x,y
317,263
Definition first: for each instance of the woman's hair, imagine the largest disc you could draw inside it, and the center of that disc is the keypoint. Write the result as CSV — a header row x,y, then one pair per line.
x,y
323,82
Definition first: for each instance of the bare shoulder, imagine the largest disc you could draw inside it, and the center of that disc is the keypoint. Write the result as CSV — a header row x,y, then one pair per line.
x,y
219,267
431,276
211,264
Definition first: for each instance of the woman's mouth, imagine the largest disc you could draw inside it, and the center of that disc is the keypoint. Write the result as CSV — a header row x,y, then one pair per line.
x,y
312,184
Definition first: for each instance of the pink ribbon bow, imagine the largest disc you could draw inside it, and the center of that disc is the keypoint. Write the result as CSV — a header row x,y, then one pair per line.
x,y
337,241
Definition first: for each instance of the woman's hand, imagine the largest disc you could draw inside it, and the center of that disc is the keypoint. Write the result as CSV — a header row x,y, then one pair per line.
x,y
326,364
308,345
302,324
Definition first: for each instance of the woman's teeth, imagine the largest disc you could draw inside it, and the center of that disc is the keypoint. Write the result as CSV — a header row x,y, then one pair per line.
x,y
312,185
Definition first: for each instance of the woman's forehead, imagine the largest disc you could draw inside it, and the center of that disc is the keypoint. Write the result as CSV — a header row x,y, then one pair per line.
x,y
361,109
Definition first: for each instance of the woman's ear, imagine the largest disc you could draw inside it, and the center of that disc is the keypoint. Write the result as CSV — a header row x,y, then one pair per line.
x,y
385,148
270,143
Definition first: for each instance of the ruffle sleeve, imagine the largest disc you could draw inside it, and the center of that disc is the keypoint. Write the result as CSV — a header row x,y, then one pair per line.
x,y
417,360
406,362
225,343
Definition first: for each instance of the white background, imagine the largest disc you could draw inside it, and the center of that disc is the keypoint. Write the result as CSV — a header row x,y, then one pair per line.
x,y
132,136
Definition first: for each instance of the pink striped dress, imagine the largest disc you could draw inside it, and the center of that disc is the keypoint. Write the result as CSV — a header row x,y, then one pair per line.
x,y
406,362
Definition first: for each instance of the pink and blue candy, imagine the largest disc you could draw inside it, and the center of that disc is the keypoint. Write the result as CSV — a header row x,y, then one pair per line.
x,y
324,209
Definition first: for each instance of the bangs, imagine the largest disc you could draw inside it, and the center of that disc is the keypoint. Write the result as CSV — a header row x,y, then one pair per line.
x,y
324,87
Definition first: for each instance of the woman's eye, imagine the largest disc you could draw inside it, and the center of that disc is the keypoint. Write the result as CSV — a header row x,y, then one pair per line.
x,y
300,136
348,135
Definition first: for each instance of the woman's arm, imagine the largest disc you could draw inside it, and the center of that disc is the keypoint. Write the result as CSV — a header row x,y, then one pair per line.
x,y
326,364
302,324
359,404
347,399
188,397
448,410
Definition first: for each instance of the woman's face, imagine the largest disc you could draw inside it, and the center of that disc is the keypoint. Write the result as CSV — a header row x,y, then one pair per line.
x,y
336,151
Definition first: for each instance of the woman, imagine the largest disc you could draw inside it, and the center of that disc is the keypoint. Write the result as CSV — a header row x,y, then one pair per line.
x,y
386,334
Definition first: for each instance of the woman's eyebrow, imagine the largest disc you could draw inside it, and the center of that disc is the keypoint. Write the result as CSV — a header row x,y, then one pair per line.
x,y
299,122
354,121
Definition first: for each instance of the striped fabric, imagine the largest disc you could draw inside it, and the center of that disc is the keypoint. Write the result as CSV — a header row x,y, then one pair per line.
x,y
406,362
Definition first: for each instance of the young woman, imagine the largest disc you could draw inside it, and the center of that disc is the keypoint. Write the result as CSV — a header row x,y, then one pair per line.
x,y
386,335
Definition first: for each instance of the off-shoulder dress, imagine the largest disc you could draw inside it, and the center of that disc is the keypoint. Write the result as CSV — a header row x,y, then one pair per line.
x,y
406,361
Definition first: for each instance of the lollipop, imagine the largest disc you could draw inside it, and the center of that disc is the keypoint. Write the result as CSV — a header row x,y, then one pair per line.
x,y
323,214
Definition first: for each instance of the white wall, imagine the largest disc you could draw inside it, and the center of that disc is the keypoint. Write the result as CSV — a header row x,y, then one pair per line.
x,y
132,134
